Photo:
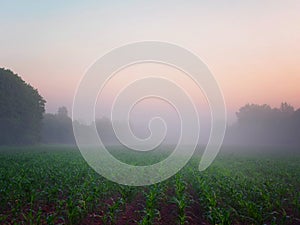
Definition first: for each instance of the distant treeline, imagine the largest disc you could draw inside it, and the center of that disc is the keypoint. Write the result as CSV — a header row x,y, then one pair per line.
x,y
57,129
263,125
256,125
23,120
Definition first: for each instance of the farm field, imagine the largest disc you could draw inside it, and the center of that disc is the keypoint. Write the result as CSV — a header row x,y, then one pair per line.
x,y
54,185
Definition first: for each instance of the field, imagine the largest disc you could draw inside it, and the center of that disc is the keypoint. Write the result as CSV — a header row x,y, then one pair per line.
x,y
54,185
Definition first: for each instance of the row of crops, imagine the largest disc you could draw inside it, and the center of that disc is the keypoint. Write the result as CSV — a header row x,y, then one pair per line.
x,y
56,186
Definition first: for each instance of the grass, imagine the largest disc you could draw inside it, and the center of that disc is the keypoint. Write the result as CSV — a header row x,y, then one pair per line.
x,y
54,185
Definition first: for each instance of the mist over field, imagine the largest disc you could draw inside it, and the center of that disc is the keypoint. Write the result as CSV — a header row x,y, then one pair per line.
x,y
47,179
256,126
149,112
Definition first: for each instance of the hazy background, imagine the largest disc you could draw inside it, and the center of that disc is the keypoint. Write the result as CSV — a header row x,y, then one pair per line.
x,y
251,47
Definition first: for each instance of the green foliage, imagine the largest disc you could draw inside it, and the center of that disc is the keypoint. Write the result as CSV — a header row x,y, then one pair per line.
x,y
180,198
21,110
51,185
153,195
250,190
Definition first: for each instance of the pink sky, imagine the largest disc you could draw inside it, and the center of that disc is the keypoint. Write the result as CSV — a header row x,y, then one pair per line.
x,y
251,48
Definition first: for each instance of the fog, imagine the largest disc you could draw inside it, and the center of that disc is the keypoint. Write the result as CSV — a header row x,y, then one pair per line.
x,y
146,124
262,125
256,127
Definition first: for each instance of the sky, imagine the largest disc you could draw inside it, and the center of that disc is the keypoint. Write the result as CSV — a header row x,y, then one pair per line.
x,y
251,47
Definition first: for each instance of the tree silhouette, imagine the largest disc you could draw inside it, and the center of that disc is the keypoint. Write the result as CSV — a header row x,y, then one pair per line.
x,y
57,128
263,125
21,110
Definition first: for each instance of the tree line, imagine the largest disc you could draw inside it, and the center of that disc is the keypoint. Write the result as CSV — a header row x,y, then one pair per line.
x,y
23,120
264,125
57,128
256,125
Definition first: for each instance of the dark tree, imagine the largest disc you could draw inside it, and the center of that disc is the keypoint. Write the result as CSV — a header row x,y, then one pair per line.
x,y
263,125
21,110
57,128
62,111
106,131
